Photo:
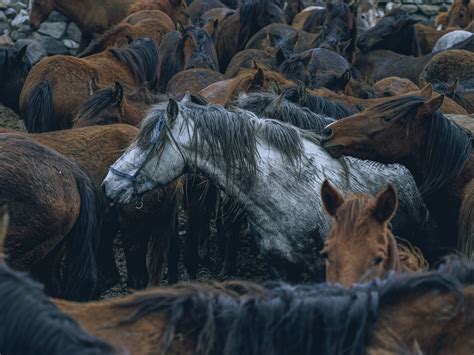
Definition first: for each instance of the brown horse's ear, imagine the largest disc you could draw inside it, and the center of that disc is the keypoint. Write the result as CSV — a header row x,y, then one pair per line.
x,y
332,199
280,56
93,86
117,94
431,106
427,91
4,220
386,205
210,26
452,88
259,78
172,110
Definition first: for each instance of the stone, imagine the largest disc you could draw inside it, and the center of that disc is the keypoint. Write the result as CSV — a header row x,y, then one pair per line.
x,y
16,35
11,13
51,45
3,28
411,9
21,19
5,40
3,17
56,16
18,6
70,44
4,4
73,32
35,51
429,10
53,29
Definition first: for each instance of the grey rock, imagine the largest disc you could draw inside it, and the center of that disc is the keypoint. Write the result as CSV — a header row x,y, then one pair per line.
x,y
56,16
25,29
18,6
35,51
16,35
21,19
4,4
73,32
3,17
70,44
51,45
5,40
411,9
53,29
3,28
10,12
429,10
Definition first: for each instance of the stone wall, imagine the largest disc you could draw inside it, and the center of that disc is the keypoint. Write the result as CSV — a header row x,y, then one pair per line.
x,y
57,35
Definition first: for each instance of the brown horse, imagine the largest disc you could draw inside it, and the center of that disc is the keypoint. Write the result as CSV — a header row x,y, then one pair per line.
x,y
55,213
428,36
235,31
360,245
152,24
461,13
193,80
92,17
152,225
411,130
449,66
404,314
57,85
177,10
394,86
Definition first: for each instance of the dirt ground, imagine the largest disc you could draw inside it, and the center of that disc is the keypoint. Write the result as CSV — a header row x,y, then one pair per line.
x,y
250,265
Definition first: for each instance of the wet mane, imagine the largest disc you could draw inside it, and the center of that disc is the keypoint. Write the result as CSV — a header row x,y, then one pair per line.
x,y
31,324
317,104
229,137
448,146
330,319
285,111
141,58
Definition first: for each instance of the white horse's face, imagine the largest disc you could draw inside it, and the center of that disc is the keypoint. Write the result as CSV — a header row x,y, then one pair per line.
x,y
145,166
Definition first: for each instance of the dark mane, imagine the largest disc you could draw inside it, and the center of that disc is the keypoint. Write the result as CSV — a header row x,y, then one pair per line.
x,y
448,146
229,136
455,94
329,319
317,104
96,103
277,108
141,58
9,60
31,324
314,20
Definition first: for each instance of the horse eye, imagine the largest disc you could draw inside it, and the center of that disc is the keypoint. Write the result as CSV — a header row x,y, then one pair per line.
x,y
387,118
378,260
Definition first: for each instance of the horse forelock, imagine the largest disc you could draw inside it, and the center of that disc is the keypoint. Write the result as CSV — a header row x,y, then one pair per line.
x,y
32,324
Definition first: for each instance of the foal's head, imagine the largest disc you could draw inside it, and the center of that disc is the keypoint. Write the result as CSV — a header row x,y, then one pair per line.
x,y
360,245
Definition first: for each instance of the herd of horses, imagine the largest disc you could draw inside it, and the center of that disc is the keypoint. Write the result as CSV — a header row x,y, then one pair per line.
x,y
340,143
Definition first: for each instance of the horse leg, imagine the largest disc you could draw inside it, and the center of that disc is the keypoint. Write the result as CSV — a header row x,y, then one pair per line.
x,y
232,243
107,269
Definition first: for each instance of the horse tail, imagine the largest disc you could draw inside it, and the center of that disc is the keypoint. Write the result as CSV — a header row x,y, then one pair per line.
x,y
39,111
80,268
466,223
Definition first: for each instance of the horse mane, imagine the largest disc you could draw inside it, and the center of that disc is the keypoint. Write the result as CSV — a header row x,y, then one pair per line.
x,y
329,319
32,324
8,58
443,161
141,58
285,111
316,18
230,136
317,104
244,82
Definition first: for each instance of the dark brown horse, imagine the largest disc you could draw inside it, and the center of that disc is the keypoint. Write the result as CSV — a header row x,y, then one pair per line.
x,y
188,48
412,131
57,85
193,80
360,245
198,7
154,24
14,68
55,212
235,31
92,17
461,13
177,10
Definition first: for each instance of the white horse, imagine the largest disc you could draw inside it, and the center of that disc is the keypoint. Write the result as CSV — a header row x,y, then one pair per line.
x,y
274,170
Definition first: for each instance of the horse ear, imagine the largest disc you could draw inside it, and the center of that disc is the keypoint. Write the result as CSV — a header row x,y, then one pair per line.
x,y
93,87
117,94
210,26
273,106
172,110
431,106
332,199
22,53
258,78
301,89
452,88
4,220
280,56
273,39
129,39
346,76
427,91
294,39
180,28
386,205
275,88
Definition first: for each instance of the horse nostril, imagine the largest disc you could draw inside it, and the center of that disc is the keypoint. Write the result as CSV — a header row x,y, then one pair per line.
x,y
327,133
